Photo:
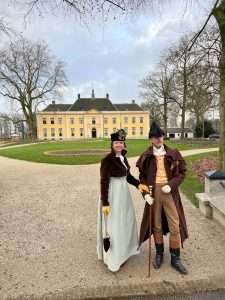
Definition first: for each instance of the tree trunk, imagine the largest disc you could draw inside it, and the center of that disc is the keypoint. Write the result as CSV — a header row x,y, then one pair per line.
x,y
32,127
165,116
30,121
219,14
203,127
184,102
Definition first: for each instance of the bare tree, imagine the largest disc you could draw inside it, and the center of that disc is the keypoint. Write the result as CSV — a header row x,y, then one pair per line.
x,y
153,108
29,75
186,79
83,8
202,92
156,88
219,14
180,59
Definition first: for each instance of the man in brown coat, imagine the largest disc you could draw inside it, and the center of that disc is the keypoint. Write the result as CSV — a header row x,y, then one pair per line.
x,y
163,169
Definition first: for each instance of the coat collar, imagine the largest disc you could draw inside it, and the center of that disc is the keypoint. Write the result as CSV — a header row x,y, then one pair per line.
x,y
169,151
170,155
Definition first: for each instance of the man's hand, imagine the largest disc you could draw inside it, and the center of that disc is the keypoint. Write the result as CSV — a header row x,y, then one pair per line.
x,y
143,188
105,210
166,189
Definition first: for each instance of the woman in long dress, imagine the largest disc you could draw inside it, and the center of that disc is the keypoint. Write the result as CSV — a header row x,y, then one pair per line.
x,y
116,212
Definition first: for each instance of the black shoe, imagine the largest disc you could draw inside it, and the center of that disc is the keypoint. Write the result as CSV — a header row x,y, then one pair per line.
x,y
158,256
176,261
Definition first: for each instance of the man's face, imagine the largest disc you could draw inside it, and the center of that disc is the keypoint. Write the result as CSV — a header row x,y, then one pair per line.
x,y
157,142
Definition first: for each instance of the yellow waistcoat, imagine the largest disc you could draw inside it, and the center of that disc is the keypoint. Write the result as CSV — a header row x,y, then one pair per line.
x,y
161,172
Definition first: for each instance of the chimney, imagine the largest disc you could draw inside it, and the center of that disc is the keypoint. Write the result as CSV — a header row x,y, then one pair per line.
x,y
93,94
53,102
133,101
78,96
107,96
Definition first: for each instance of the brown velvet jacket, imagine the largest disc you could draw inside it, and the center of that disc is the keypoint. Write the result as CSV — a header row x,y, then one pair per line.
x,y
111,165
175,167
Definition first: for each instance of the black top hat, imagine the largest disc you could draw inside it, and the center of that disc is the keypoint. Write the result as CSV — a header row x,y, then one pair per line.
x,y
155,131
120,135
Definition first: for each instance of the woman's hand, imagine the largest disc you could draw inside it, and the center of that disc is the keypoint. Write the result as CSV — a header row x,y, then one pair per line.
x,y
105,210
143,188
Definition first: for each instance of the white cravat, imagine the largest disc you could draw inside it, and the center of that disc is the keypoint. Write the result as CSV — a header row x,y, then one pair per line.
x,y
122,159
159,151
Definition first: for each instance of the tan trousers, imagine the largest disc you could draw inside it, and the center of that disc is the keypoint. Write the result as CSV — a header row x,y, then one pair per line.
x,y
166,201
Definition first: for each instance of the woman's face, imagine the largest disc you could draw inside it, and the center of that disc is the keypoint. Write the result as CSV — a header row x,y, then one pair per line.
x,y
118,146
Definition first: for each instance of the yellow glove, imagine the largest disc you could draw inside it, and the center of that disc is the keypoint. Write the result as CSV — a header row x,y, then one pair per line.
x,y
105,210
143,188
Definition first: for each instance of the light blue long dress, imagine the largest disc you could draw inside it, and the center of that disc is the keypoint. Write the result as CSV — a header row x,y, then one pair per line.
x,y
121,225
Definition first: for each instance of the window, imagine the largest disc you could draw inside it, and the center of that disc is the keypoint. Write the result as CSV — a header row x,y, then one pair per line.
x,y
60,132
105,131
81,120
60,120
72,131
105,120
114,120
45,132
125,120
44,121
93,121
52,132
133,120
126,129
141,119
81,132
52,120
141,130
133,130
71,120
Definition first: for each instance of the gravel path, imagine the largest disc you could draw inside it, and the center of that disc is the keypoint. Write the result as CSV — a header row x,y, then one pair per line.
x,y
48,239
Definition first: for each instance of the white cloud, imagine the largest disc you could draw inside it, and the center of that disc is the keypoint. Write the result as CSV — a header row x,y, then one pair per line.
x,y
110,58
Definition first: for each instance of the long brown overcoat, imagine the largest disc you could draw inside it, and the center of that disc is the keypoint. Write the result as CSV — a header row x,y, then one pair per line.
x,y
175,167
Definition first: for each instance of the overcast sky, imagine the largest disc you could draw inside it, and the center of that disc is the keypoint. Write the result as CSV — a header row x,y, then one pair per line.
x,y
110,57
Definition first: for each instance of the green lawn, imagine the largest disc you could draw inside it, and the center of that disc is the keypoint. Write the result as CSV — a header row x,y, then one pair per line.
x,y
35,152
192,184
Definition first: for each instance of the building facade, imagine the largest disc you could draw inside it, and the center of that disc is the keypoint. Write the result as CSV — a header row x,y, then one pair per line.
x,y
175,133
91,118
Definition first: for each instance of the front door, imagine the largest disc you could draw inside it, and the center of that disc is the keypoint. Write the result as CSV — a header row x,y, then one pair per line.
x,y
93,133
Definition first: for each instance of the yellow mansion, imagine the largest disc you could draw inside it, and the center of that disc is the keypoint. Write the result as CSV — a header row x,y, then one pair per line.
x,y
91,118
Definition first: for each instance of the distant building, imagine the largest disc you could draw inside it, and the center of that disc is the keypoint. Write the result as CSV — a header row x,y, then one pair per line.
x,y
212,114
91,118
9,128
175,133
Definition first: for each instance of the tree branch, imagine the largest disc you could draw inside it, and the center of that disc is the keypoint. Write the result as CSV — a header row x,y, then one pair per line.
x,y
203,27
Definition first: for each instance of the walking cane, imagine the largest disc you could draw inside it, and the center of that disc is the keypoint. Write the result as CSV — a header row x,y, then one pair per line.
x,y
150,234
148,198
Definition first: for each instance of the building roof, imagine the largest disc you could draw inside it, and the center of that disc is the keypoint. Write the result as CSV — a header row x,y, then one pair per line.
x,y
84,104
127,107
100,104
57,107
